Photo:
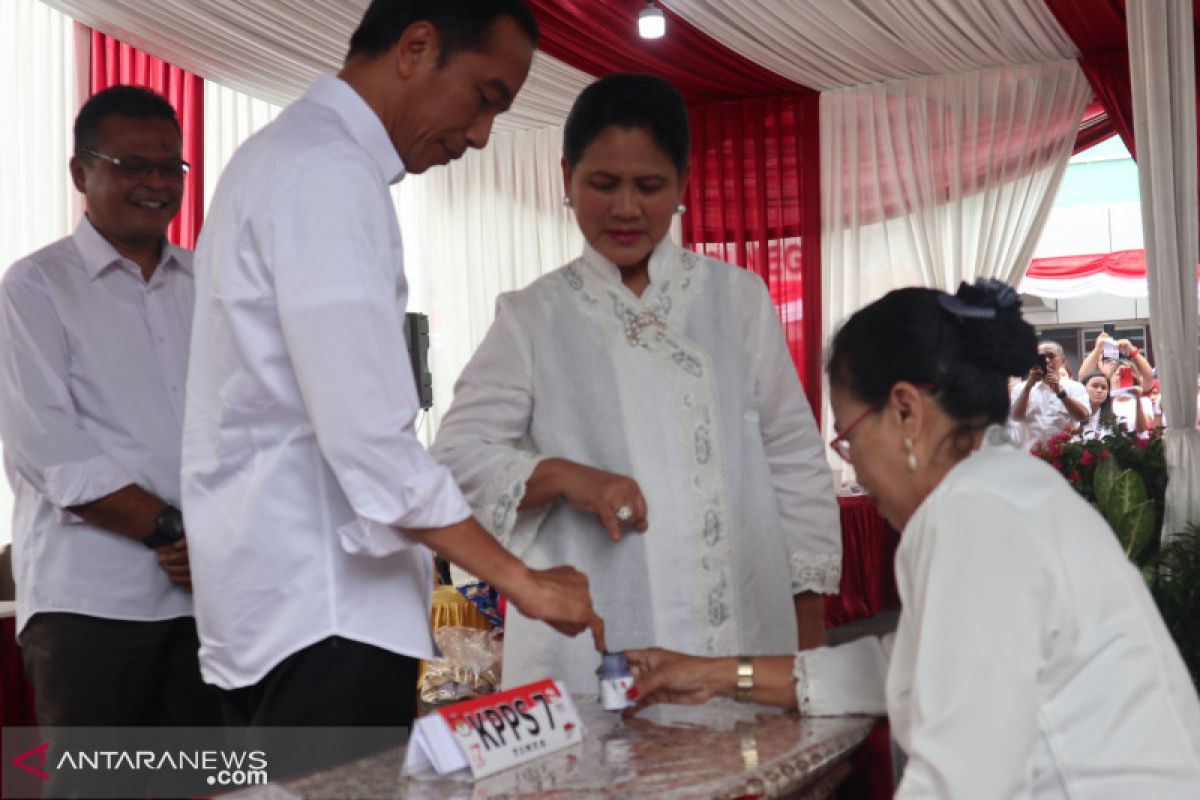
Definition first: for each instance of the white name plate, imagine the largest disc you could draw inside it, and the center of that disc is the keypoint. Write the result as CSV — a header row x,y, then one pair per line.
x,y
495,732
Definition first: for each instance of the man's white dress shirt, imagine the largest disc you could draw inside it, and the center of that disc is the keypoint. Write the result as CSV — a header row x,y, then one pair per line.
x,y
93,360
300,460
1030,660
1046,415
688,389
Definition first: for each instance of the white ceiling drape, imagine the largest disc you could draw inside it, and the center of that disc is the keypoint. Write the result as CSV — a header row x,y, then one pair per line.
x,y
272,49
827,45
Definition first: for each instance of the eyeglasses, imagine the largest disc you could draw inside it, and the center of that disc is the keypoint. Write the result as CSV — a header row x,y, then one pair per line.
x,y
841,444
134,167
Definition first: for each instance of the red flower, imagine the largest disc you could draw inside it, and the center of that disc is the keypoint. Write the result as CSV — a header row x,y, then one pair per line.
x,y
1056,464
1104,454
1086,458
1074,477
1141,443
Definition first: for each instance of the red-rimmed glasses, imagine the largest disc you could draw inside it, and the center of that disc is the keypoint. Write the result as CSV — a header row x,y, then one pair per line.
x,y
841,444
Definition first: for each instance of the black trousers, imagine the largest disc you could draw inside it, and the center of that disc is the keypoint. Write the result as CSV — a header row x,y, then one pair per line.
x,y
89,671
334,683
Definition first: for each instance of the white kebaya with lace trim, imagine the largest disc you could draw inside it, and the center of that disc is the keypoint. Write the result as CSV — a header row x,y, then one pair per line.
x,y
689,390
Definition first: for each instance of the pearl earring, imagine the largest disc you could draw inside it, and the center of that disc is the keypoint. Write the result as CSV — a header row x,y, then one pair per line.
x,y
679,209
567,201
912,458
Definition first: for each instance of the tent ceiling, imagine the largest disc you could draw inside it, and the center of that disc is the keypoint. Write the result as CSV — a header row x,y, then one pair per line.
x,y
272,49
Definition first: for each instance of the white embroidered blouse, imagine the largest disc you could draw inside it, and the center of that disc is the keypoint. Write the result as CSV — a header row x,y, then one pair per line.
x,y
690,390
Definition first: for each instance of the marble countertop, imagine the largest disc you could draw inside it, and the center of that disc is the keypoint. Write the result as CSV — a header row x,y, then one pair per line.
x,y
718,750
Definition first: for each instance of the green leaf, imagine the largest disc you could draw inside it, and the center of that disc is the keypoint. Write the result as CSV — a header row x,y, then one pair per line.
x,y
1127,493
1106,475
1138,528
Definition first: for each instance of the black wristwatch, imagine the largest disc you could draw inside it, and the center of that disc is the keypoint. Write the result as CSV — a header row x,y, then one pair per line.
x,y
1062,394
168,528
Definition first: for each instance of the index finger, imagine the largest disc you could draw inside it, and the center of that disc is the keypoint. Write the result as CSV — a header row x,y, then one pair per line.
x,y
597,626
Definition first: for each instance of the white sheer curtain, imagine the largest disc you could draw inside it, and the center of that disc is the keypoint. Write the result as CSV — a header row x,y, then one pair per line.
x,y
934,181
38,204
489,223
938,180
1163,83
826,44
230,117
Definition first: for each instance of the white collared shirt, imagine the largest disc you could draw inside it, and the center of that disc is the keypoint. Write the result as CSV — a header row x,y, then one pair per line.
x,y
1046,415
93,360
300,459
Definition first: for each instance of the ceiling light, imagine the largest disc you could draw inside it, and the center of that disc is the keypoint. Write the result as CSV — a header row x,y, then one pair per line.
x,y
651,22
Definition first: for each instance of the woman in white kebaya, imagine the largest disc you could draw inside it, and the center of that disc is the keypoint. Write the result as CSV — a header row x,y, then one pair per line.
x,y
636,414
1030,660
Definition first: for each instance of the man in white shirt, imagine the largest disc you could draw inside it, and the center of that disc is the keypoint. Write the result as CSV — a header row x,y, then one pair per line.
x,y
306,492
1045,404
94,333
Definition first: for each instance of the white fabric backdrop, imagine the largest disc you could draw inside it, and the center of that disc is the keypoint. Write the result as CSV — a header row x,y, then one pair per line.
x,y
38,204
272,49
825,44
489,223
1163,81
933,181
230,117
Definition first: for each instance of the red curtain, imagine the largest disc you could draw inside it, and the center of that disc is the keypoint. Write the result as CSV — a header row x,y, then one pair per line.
x,y
113,63
755,196
754,200
1098,29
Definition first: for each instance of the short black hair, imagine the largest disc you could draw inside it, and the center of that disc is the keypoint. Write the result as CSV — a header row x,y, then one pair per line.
x,y
965,345
631,101
460,24
137,102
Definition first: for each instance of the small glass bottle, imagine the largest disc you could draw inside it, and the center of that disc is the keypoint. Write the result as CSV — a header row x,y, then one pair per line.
x,y
615,682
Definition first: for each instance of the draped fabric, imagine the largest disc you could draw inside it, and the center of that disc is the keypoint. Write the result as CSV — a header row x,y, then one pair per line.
x,y
491,222
939,180
1095,127
42,90
700,67
1098,29
230,117
868,549
829,44
114,62
753,197
1163,81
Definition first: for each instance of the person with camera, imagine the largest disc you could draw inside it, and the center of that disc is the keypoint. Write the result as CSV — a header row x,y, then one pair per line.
x,y
1045,403
1126,352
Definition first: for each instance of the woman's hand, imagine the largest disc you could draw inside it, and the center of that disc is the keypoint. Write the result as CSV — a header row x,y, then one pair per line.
x,y
605,494
664,676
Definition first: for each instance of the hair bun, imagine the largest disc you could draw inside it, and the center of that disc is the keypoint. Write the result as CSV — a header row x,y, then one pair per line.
x,y
995,334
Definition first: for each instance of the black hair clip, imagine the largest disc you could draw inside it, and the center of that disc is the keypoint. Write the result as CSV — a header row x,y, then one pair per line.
x,y
964,310
997,294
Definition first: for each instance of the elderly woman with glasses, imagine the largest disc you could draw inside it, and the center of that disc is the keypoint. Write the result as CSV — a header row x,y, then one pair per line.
x,y
1029,660
636,414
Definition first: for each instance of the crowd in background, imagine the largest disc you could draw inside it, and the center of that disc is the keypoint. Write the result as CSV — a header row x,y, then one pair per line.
x,y
1116,390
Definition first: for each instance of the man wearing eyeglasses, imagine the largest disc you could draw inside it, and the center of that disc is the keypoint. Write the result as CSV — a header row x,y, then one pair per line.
x,y
94,334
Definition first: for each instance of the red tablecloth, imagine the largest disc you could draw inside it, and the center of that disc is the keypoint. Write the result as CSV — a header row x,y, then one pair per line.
x,y
868,550
16,693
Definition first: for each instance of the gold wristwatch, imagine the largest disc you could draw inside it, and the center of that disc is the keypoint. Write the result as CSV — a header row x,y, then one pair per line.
x,y
745,680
